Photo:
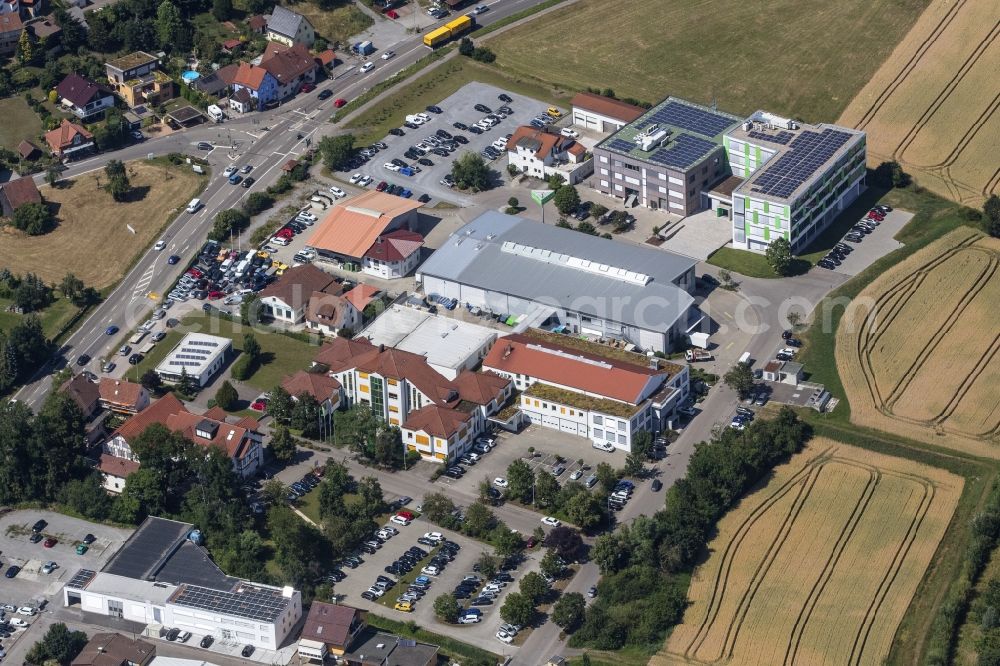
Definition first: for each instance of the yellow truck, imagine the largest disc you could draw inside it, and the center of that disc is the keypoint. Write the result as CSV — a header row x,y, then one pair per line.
x,y
450,30
437,37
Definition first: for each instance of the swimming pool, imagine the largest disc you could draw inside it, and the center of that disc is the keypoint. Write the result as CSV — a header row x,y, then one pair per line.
x,y
190,75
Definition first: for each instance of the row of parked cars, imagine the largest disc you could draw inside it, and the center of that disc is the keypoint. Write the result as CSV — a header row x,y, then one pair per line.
x,y
862,228
482,446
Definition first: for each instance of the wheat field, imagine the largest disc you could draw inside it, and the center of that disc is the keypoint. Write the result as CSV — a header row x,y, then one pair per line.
x,y
818,566
918,350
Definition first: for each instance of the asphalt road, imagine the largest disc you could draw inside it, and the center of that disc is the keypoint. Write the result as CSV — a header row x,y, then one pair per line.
x,y
239,140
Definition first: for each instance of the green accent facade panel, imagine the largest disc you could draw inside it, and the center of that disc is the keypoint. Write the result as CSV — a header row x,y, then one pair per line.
x,y
767,234
757,148
756,219
765,206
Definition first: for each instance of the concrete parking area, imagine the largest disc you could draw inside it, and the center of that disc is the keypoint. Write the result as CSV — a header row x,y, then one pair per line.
x,y
457,107
875,245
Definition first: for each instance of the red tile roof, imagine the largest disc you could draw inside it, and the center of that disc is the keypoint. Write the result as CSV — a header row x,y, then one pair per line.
x,y
249,76
317,384
62,136
120,392
231,44
287,63
395,245
21,191
344,353
230,438
605,106
437,421
327,57
565,366
481,387
257,23
157,412
351,228
10,22
227,74
120,467
539,141
361,296
26,149
327,309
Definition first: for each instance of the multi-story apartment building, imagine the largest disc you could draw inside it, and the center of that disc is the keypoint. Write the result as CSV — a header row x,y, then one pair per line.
x,y
797,179
136,78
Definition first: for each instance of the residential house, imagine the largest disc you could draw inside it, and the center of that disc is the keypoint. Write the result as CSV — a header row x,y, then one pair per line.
x,y
290,66
241,441
107,649
28,150
241,101
47,34
115,472
375,648
136,78
259,84
10,31
122,396
393,255
329,631
285,299
257,24
439,418
324,388
362,296
589,389
231,45
329,313
218,82
289,28
69,140
83,97
541,153
16,193
83,392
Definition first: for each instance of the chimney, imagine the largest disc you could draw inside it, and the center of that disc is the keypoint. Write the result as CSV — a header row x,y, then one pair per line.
x,y
381,348
507,351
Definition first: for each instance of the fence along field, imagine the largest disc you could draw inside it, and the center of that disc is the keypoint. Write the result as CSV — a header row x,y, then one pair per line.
x,y
818,566
934,105
919,349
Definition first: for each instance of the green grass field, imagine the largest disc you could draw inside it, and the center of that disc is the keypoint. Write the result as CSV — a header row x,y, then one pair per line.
x,y
434,86
53,318
338,24
796,58
19,122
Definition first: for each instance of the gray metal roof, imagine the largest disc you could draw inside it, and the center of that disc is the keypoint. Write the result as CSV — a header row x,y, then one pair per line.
x,y
567,269
284,21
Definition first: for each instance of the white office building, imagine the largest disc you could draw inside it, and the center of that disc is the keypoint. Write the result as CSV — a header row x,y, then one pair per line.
x,y
200,355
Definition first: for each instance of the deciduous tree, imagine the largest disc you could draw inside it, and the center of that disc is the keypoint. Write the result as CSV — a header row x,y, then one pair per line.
x,y
740,379
519,480
568,611
447,608
566,199
517,609
779,255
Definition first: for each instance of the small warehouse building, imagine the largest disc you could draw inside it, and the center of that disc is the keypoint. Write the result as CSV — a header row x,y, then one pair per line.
x,y
602,114
200,355
330,631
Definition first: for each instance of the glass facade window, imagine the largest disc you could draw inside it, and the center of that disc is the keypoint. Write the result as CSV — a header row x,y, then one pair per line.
x,y
378,396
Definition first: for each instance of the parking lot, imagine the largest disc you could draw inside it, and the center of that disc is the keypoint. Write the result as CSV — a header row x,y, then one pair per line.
x,y
30,586
875,245
458,107
482,634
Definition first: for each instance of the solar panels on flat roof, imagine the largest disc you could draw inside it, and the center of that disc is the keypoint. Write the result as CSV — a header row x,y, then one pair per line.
x,y
81,579
684,151
620,144
692,119
781,137
249,601
148,548
806,154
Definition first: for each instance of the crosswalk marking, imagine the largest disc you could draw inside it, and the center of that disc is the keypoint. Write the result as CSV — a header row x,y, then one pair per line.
x,y
142,283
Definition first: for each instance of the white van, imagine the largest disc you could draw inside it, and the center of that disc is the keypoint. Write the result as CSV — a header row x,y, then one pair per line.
x,y
224,266
242,267
137,338
194,205
215,113
745,357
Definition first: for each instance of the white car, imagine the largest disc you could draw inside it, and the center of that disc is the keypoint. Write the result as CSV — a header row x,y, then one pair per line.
x,y
430,570
365,181
399,520
416,120
469,619
504,637
49,567
356,178
604,446
388,54
27,610
390,166
434,536
378,592
576,475
481,8
230,170
500,482
18,622
337,192
307,215
423,116
550,521
160,245
788,350
367,67
565,131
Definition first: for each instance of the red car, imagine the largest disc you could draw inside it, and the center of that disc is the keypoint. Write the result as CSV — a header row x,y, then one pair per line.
x,y
194,272
381,186
875,216
392,14
339,102
307,87
215,295
48,543
531,542
405,514
285,232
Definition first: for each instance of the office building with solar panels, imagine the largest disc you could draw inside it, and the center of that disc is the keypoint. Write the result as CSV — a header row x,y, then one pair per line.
x,y
163,578
796,179
199,354
666,158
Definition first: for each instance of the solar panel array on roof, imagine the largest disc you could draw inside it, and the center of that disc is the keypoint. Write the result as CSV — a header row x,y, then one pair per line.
x,y
692,119
81,579
253,603
781,137
806,153
684,151
620,144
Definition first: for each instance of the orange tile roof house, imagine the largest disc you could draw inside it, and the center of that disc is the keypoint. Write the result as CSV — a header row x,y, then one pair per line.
x,y
241,441
319,385
328,313
290,66
286,299
122,396
350,229
439,418
330,629
540,153
602,114
115,471
69,140
258,83
16,193
393,255
588,389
